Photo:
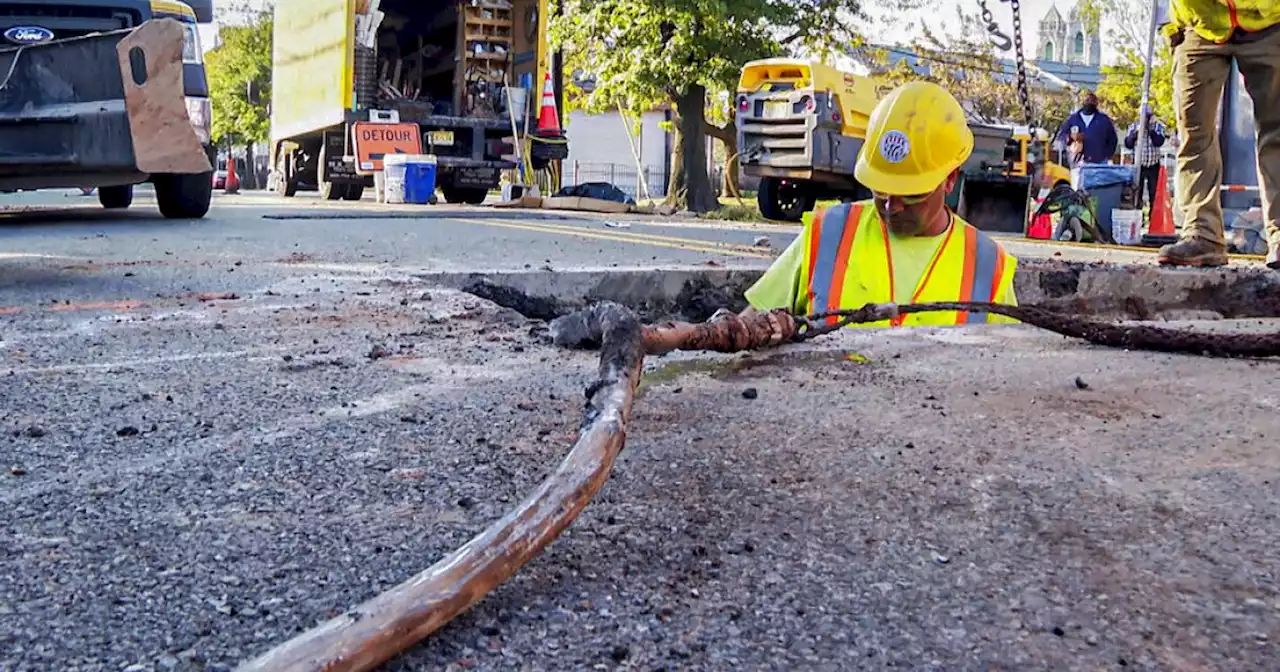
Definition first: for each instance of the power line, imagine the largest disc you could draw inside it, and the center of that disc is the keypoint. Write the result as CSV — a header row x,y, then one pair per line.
x,y
976,68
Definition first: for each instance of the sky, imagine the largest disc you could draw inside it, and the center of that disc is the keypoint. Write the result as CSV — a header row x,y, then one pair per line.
x,y
896,27
903,26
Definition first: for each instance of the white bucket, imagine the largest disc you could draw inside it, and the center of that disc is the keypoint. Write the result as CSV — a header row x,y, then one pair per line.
x,y
519,103
393,176
1126,226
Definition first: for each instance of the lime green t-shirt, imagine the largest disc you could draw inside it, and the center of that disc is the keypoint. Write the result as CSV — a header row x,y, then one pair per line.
x,y
781,285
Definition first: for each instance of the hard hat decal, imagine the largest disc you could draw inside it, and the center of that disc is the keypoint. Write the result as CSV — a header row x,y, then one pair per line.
x,y
894,146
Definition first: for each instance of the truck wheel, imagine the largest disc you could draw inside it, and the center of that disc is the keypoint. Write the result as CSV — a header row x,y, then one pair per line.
x,y
286,181
332,192
783,201
354,192
184,196
115,198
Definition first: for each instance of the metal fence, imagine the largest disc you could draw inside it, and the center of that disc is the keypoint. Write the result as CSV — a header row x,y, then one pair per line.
x,y
624,176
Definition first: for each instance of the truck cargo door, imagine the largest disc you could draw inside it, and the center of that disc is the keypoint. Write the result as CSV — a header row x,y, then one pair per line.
x,y
312,64
529,52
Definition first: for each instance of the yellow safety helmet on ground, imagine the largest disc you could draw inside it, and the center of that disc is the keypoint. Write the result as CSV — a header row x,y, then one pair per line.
x,y
916,136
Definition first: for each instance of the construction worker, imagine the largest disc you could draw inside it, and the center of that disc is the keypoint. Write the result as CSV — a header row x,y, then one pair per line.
x,y
1206,35
904,245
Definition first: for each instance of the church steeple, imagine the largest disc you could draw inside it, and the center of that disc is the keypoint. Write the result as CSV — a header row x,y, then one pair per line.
x,y
1070,40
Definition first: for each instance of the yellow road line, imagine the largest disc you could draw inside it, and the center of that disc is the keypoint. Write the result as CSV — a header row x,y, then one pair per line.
x,y
646,237
687,244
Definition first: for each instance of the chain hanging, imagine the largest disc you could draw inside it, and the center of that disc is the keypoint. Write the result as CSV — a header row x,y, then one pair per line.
x,y
1002,42
1036,154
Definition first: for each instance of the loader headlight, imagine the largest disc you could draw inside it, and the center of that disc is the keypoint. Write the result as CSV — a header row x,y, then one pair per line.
x,y
201,113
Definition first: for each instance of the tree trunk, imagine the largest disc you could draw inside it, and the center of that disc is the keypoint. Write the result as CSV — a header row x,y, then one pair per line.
x,y
692,184
250,176
675,198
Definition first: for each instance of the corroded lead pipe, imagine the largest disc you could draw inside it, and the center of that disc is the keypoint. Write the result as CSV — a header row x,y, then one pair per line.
x,y
381,628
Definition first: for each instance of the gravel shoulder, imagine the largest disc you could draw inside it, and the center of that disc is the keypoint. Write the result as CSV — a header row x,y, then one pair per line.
x,y
189,485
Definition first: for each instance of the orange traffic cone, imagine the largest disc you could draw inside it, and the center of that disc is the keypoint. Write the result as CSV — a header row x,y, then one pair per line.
x,y
1160,230
548,120
232,185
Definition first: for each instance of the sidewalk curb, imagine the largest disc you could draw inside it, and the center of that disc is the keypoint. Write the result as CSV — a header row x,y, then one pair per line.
x,y
1121,291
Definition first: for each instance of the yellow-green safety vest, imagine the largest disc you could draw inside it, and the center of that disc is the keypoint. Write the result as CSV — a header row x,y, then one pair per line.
x,y
848,263
1215,20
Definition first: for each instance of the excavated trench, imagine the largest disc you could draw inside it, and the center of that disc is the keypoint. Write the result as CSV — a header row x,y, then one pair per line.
x,y
1097,290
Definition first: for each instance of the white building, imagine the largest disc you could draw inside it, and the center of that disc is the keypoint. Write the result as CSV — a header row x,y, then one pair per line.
x,y
1071,40
600,151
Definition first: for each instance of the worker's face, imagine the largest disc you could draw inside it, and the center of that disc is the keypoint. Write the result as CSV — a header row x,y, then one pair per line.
x,y
915,215
1090,104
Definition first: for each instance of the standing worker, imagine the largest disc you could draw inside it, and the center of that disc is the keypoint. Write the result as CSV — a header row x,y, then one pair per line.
x,y
1206,35
1088,134
904,245
1149,163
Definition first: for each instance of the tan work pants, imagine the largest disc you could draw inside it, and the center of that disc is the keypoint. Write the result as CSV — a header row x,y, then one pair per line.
x,y
1200,70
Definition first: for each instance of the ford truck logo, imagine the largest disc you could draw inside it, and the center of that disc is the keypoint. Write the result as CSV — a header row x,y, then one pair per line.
x,y
28,34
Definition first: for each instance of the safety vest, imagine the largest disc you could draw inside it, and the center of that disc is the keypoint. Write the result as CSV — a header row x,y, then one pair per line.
x,y
848,263
1216,19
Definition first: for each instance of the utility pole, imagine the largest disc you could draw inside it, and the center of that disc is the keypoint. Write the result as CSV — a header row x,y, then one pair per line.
x,y
1140,146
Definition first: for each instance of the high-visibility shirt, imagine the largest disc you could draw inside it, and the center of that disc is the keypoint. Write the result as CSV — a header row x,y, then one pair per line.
x,y
1215,20
846,258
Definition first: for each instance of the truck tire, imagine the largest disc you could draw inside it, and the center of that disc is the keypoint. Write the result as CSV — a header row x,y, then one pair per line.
x,y
184,196
783,202
116,198
286,181
329,191
468,195
354,192
332,192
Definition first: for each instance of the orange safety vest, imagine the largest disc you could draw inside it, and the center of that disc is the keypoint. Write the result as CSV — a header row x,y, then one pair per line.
x,y
848,263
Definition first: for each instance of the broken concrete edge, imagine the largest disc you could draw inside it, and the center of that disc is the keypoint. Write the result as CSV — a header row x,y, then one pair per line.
x,y
1105,290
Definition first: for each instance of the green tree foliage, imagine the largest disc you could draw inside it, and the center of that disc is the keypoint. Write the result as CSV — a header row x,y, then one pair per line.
x,y
242,58
968,65
644,53
1127,24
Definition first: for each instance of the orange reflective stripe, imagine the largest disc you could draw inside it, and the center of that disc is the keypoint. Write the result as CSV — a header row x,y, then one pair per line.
x,y
928,273
999,275
966,278
1231,11
841,269
815,237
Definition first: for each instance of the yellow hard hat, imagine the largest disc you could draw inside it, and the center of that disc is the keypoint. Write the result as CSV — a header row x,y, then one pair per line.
x,y
916,136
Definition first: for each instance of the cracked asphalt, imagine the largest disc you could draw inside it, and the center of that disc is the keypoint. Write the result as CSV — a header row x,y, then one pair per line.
x,y
202,459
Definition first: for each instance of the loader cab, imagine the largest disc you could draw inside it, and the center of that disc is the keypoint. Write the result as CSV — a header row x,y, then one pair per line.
x,y
800,124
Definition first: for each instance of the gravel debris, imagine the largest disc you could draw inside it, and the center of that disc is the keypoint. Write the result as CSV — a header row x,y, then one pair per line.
x,y
266,500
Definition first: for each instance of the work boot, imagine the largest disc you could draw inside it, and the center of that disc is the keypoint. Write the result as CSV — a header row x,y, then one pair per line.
x,y
1193,252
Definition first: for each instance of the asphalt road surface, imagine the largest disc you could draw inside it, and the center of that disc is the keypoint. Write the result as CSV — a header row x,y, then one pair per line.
x,y
219,434
61,246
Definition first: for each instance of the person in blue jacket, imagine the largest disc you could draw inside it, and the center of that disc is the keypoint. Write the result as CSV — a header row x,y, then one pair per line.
x,y
1088,134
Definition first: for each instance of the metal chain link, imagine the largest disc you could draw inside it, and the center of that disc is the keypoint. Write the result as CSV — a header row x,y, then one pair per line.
x,y
1002,42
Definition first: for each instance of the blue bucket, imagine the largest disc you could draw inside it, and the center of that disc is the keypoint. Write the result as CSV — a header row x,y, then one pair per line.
x,y
419,178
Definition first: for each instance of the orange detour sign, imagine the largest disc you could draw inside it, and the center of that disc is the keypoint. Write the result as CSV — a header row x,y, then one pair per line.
x,y
373,141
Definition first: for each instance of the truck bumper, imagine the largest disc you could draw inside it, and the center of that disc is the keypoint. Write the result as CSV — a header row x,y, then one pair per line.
x,y
96,110
782,138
